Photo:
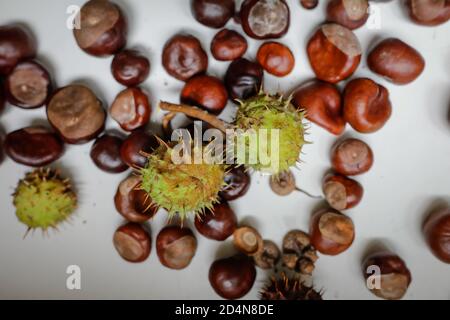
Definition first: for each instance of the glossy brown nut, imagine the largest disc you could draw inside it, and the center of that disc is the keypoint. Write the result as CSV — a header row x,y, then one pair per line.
x,y
176,247
213,13
103,28
322,103
395,276
396,61
352,157
334,53
243,79
183,57
33,146
132,203
348,13
367,107
268,257
105,153
76,114
342,193
228,45
232,278
331,232
276,58
131,109
309,4
237,184
137,142
217,224
28,85
248,240
428,12
132,242
16,44
437,234
265,19
130,68
206,92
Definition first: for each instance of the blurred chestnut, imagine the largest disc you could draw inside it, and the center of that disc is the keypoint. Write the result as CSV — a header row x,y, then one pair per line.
x,y
298,253
132,242
342,193
265,19
283,184
184,57
28,85
367,107
33,146
16,45
334,52
237,183
176,247
395,277
213,13
437,233
352,157
309,4
103,28
429,12
232,278
322,103
131,148
243,79
219,223
130,67
331,232
105,153
268,257
76,114
248,240
2,96
396,61
131,109
228,45
276,58
348,13
206,92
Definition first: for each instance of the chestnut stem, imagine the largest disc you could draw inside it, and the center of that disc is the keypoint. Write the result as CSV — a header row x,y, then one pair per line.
x,y
308,194
166,122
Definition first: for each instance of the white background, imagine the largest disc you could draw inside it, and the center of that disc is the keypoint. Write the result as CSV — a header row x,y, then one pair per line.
x,y
411,172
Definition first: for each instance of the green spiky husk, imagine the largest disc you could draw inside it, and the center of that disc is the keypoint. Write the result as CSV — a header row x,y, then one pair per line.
x,y
43,199
283,287
273,112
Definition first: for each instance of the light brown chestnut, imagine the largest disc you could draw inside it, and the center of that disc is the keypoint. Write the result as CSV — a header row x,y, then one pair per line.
x,y
352,157
428,12
176,247
437,233
247,240
348,13
341,192
268,257
132,242
131,109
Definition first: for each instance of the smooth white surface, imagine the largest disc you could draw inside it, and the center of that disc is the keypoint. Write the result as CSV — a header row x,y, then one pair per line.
x,y
411,172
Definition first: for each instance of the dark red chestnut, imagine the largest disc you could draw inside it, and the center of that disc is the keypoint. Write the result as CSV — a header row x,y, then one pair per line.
x,y
103,28
334,53
33,146
131,109
437,233
130,67
352,157
176,247
367,107
243,79
76,114
276,58
342,193
429,12
228,45
237,183
309,4
28,85
206,92
132,242
218,223
16,44
232,278
184,57
137,142
213,13
348,13
105,153
265,19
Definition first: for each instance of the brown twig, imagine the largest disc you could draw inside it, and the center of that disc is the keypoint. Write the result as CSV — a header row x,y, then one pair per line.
x,y
166,122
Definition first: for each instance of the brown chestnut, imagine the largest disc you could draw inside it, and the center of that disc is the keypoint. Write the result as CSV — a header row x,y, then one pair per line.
x,y
206,92
132,242
237,182
352,157
331,232
213,13
334,52
265,19
342,193
2,96
367,107
131,109
130,67
243,79
232,278
105,153
394,279
276,58
16,44
248,240
437,233
429,12
176,247
396,61
33,146
348,13
103,28
219,223
76,114
228,45
268,257
184,57
298,253
309,4
137,142
322,103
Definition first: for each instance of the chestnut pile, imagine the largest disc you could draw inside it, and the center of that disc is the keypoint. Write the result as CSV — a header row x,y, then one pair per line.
x,y
76,115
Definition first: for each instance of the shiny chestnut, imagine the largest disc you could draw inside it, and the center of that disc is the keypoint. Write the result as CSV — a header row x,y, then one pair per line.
x,y
228,45
218,224
213,13
352,14
132,242
428,12
206,92
130,67
276,58
131,109
437,233
16,45
237,181
176,247
137,142
352,157
342,193
243,79
309,4
105,153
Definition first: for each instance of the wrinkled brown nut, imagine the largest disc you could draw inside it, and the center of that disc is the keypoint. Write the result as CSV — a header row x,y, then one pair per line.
x,y
248,240
298,253
283,184
268,257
